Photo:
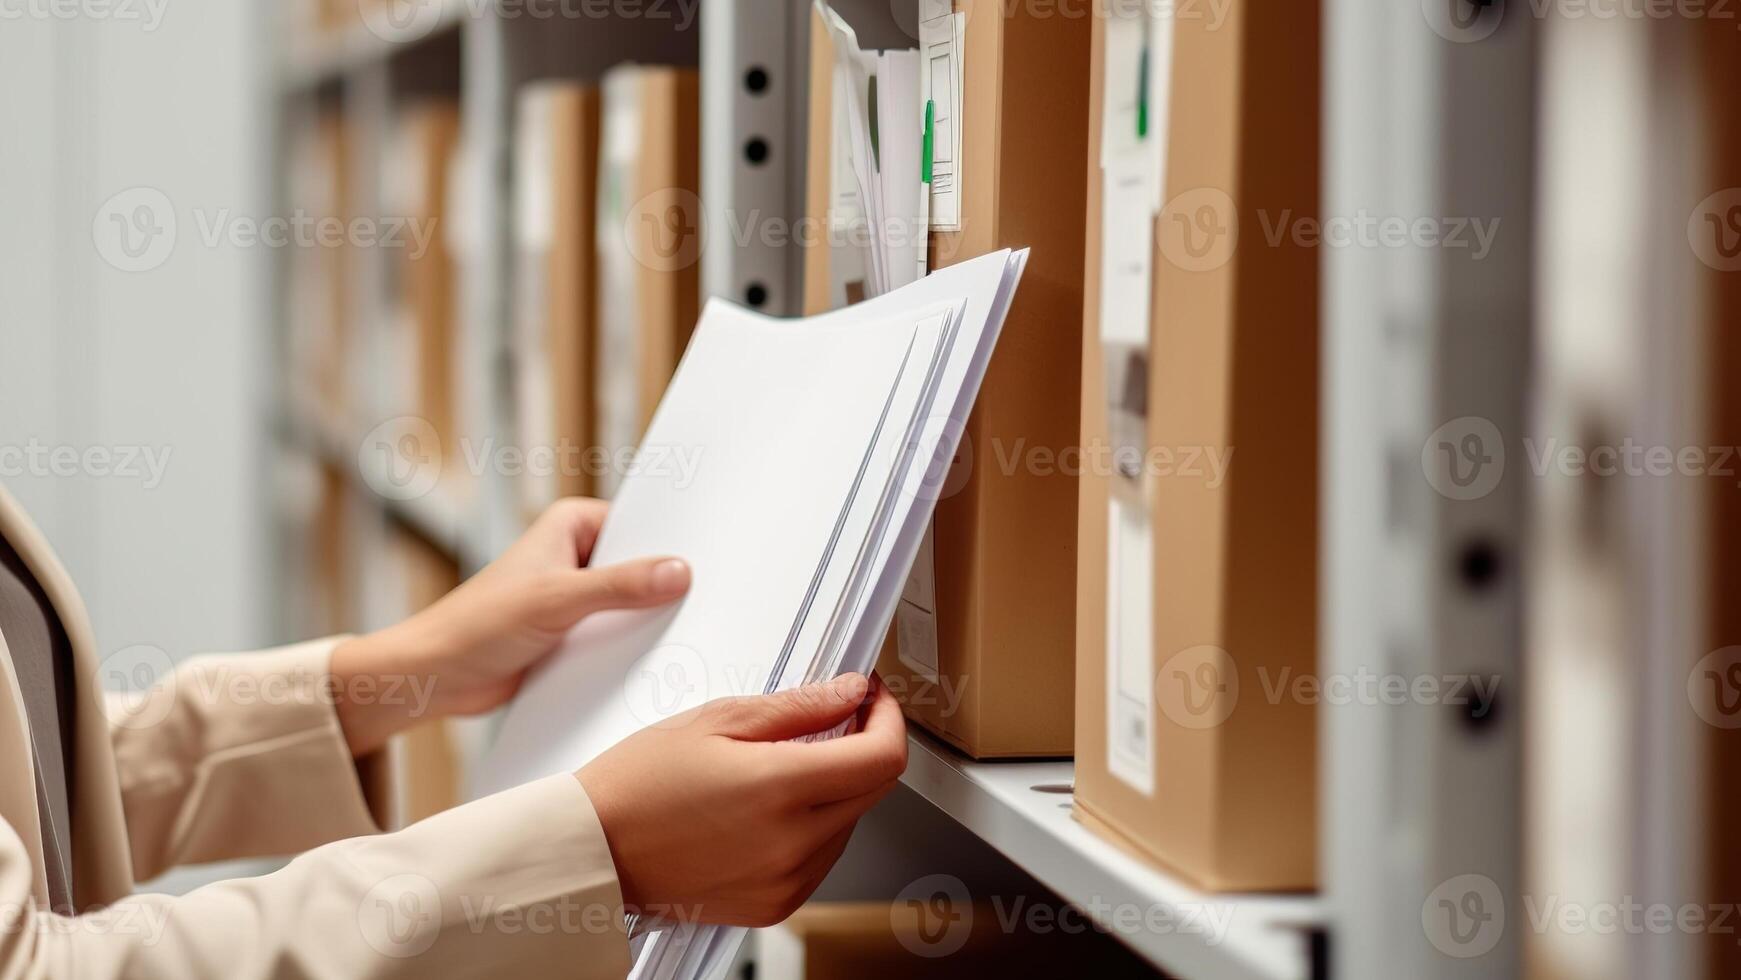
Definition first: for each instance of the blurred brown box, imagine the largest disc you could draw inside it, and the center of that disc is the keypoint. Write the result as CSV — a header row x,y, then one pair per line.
x,y
556,283
1001,558
922,941
1233,366
648,247
429,132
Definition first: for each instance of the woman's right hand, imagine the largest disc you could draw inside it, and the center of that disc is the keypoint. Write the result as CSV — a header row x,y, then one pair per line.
x,y
715,816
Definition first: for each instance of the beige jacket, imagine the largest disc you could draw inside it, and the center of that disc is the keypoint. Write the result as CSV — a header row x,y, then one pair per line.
x,y
241,756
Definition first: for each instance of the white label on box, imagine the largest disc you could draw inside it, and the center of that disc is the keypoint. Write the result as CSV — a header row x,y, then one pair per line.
x,y
916,616
1130,701
940,79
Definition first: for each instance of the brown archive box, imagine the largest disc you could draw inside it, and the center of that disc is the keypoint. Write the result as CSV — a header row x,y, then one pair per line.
x,y
1233,368
649,245
936,939
1001,558
428,134
556,188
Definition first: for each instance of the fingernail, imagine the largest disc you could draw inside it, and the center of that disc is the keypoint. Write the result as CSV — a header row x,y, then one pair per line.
x,y
671,576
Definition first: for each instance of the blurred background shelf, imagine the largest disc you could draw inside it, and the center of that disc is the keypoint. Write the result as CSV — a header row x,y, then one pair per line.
x,y
310,62
1023,810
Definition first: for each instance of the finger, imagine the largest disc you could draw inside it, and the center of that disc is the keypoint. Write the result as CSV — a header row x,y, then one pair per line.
x,y
844,814
575,523
816,869
792,714
855,764
637,584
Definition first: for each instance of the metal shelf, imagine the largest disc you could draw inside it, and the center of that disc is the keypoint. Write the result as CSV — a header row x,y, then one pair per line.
x,y
1023,810
311,63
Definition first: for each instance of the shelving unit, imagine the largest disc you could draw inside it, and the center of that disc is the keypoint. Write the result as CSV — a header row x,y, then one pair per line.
x,y
1366,924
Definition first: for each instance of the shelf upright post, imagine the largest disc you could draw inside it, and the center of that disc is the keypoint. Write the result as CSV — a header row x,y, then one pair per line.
x,y
486,409
1430,114
752,144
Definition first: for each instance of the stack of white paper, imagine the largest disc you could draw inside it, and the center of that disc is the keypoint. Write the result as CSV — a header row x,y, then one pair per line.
x,y
795,465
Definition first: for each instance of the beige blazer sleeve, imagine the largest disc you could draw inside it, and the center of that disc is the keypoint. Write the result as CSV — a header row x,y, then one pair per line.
x,y
237,756
517,884
242,755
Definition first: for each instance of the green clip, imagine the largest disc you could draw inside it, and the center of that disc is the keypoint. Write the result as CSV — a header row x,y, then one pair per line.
x,y
1142,96
925,145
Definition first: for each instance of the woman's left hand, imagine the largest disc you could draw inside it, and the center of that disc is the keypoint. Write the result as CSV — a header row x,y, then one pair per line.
x,y
468,653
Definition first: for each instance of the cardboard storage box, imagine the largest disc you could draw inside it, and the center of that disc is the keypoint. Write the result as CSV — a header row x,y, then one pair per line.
x,y
922,940
414,187
981,651
1207,772
556,196
648,247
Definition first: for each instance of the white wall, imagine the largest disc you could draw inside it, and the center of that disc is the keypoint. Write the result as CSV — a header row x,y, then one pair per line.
x,y
170,359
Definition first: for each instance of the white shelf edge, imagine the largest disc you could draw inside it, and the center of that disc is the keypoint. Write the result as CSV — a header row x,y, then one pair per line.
x,y
1225,937
312,62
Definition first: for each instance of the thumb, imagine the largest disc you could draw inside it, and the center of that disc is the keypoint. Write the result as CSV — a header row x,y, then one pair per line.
x,y
794,713
637,584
